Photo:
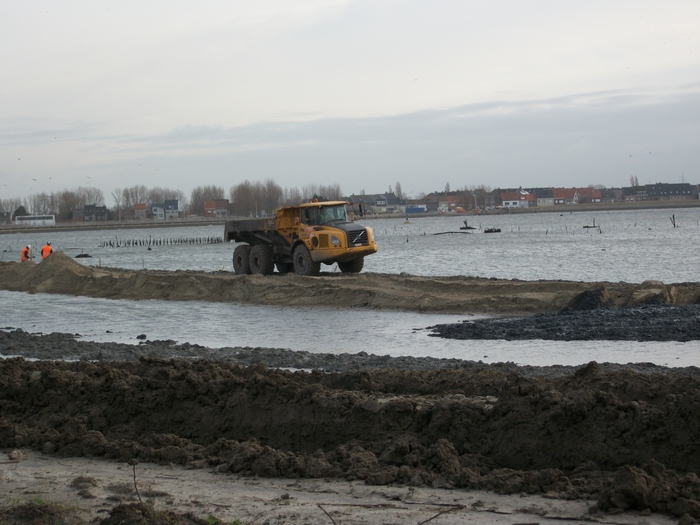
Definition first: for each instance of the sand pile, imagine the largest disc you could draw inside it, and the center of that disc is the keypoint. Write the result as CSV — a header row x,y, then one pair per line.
x,y
62,274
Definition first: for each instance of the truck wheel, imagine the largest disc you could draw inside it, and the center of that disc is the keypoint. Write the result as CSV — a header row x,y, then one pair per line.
x,y
261,259
303,264
352,266
241,257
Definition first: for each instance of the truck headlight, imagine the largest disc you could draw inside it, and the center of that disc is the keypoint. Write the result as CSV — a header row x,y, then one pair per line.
x,y
335,241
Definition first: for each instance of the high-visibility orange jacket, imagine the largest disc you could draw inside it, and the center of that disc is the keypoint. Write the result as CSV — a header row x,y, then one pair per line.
x,y
46,251
26,253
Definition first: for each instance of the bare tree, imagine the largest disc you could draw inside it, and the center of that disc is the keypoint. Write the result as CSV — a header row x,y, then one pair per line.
x,y
292,196
181,198
134,195
330,192
90,196
10,205
308,192
159,195
271,196
117,195
67,201
41,203
398,191
243,199
204,193
479,193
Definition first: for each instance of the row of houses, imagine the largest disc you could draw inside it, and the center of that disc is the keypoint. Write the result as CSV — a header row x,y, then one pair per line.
x,y
460,201
523,198
168,209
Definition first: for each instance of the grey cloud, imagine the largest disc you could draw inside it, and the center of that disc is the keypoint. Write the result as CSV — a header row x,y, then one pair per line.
x,y
582,139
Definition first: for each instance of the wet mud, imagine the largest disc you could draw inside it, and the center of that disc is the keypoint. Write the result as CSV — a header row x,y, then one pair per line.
x,y
630,438
639,323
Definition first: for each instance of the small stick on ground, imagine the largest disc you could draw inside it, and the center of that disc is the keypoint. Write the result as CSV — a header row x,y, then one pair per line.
x,y
326,513
133,463
456,507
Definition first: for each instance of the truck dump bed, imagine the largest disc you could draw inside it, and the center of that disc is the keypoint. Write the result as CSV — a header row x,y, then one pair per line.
x,y
244,230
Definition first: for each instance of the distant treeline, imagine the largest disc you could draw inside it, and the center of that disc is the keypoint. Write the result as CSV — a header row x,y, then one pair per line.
x,y
245,199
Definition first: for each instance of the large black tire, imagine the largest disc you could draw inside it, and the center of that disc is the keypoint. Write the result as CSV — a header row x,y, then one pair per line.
x,y
261,259
303,264
241,259
352,266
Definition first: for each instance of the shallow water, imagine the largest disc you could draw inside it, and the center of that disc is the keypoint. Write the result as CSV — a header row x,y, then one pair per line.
x,y
218,325
634,246
631,246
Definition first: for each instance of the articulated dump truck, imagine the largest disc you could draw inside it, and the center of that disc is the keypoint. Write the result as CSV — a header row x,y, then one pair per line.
x,y
299,239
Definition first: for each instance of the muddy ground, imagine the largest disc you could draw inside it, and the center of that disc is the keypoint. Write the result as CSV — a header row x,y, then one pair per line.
x,y
628,438
633,323
78,491
62,274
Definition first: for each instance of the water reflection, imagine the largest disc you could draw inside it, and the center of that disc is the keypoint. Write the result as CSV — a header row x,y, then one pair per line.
x,y
218,325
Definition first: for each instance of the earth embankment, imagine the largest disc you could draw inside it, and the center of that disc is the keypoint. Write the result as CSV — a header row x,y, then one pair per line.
x,y
62,274
630,439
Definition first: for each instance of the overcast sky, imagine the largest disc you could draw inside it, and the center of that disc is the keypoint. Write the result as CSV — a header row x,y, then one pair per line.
x,y
361,93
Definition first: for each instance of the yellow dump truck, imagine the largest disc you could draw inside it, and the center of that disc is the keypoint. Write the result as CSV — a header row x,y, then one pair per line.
x,y
299,239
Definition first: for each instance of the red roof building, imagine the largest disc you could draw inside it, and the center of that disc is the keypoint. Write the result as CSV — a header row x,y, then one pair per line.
x,y
216,209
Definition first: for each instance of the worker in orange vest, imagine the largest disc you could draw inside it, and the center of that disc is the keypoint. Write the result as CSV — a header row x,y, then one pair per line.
x,y
46,250
26,253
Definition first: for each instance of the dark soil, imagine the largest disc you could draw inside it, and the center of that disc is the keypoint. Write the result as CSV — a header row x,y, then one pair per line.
x,y
639,323
630,438
34,513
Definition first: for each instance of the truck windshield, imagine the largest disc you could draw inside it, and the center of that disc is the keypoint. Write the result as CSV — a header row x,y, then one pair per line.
x,y
333,213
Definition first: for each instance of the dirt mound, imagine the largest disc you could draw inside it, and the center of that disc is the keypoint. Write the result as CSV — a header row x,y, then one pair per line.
x,y
640,323
140,514
629,438
35,513
62,274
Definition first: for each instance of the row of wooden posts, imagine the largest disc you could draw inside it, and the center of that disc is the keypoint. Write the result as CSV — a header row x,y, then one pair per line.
x,y
167,241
